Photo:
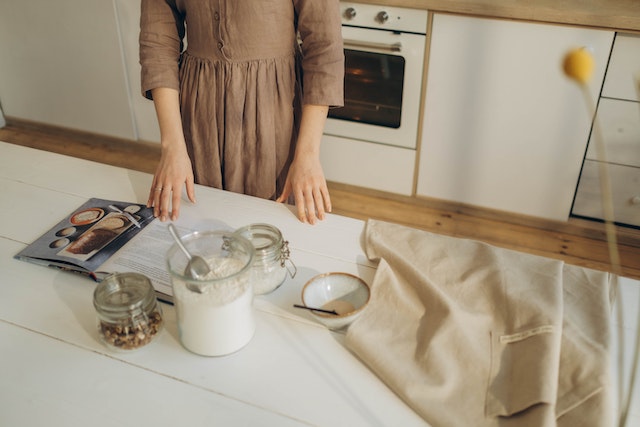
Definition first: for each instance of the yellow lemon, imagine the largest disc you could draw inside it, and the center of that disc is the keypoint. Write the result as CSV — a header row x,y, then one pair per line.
x,y
578,64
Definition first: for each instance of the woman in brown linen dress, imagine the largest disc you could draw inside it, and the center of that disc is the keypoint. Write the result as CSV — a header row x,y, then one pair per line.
x,y
232,110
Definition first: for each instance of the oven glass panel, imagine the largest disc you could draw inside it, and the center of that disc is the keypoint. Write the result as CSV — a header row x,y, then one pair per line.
x,y
372,89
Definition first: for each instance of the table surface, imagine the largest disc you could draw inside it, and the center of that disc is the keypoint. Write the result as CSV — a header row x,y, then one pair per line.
x,y
294,372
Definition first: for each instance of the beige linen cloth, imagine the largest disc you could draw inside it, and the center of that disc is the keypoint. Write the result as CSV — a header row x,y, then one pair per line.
x,y
473,335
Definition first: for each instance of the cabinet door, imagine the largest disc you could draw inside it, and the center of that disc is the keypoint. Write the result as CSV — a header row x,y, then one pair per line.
x,y
62,65
619,122
624,68
503,127
625,186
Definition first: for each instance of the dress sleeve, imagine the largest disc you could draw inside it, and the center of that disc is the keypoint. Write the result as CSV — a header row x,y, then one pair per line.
x,y
320,29
162,32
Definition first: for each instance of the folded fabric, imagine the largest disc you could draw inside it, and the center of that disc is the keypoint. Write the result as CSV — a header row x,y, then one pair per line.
x,y
469,334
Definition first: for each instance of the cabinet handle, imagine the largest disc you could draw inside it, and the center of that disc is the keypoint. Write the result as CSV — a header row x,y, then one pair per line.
x,y
358,44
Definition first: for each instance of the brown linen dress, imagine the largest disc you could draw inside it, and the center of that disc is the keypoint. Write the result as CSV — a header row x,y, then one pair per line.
x,y
238,80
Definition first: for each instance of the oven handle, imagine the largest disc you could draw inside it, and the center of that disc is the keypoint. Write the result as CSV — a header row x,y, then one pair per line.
x,y
390,47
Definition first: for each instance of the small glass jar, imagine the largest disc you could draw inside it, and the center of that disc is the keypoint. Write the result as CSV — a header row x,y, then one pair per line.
x,y
269,268
128,313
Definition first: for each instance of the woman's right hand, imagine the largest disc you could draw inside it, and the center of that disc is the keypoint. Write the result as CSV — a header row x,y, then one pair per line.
x,y
173,171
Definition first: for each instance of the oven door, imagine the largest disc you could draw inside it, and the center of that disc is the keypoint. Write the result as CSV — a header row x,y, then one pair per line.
x,y
383,80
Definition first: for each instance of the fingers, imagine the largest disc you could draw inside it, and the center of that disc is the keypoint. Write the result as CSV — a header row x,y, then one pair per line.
x,y
300,206
315,206
326,199
285,193
312,201
152,195
312,204
191,191
165,201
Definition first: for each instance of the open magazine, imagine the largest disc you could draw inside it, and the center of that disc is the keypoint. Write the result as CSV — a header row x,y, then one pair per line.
x,y
105,236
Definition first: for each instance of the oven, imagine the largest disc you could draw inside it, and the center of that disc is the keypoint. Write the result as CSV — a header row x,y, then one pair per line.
x,y
384,56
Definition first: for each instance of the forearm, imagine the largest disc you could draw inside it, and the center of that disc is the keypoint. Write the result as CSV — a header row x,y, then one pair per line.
x,y
312,124
167,105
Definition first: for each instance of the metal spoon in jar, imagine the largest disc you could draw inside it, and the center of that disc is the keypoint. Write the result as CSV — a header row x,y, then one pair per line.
x,y
197,267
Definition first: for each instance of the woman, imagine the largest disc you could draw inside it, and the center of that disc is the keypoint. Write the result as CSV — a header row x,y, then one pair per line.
x,y
234,108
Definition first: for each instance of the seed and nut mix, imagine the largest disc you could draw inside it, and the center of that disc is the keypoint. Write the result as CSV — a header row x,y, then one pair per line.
x,y
131,336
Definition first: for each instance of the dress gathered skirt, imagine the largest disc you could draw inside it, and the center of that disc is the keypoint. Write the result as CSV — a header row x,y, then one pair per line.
x,y
239,142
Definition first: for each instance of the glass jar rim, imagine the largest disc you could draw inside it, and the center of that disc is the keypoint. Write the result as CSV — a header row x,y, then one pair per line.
x,y
239,240
266,239
124,294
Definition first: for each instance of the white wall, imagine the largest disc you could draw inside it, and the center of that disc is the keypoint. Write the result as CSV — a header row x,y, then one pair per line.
x,y
73,63
144,114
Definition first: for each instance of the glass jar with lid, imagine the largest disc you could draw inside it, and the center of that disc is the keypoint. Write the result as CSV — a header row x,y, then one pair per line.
x,y
269,269
214,311
128,313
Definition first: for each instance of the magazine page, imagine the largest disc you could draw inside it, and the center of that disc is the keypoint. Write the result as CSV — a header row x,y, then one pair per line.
x,y
146,254
85,239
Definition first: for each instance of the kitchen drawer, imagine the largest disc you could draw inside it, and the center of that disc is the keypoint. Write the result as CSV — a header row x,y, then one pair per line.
x,y
624,68
619,121
364,164
625,181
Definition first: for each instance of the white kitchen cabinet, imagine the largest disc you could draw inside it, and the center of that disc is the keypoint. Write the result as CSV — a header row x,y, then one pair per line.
x,y
625,194
624,68
618,119
62,65
369,165
503,127
619,122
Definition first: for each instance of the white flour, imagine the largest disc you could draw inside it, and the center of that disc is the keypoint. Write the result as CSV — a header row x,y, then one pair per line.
x,y
220,320
267,277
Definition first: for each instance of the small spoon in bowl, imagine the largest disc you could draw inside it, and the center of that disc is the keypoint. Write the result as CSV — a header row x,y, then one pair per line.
x,y
197,267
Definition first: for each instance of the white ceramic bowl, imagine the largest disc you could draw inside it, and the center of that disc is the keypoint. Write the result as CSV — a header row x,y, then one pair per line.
x,y
345,293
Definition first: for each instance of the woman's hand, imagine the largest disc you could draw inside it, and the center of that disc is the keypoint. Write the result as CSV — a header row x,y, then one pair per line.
x,y
173,171
306,182
305,179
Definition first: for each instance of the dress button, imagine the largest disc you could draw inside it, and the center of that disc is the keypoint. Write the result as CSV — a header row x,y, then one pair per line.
x,y
220,45
216,16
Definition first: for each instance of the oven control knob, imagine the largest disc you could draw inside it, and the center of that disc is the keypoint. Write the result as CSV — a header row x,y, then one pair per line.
x,y
350,13
382,17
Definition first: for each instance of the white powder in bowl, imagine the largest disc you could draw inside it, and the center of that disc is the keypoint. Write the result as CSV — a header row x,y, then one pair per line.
x,y
219,320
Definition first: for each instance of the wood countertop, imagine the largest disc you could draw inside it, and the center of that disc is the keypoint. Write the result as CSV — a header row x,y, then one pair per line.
x,y
619,15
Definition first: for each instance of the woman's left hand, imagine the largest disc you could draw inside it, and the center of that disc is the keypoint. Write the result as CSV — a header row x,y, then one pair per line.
x,y
306,182
305,179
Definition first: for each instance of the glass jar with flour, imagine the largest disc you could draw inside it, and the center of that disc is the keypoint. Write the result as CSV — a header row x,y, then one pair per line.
x,y
270,267
215,312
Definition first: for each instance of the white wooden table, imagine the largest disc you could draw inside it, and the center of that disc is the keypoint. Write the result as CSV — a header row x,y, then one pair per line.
x,y
294,372
54,371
